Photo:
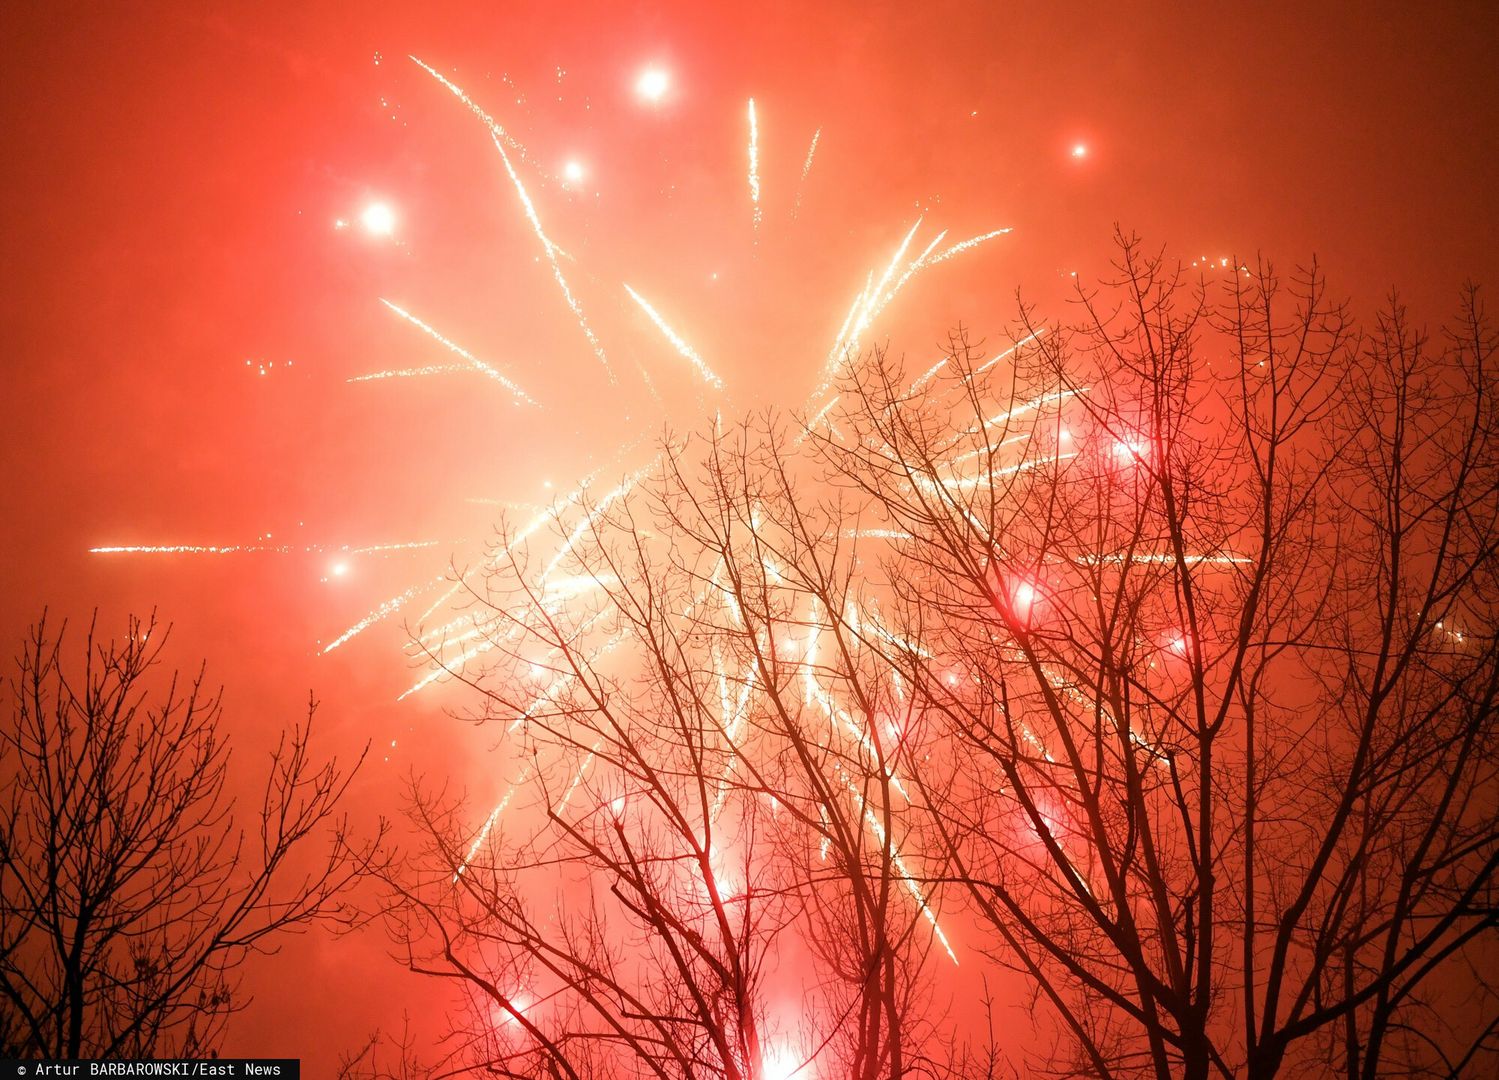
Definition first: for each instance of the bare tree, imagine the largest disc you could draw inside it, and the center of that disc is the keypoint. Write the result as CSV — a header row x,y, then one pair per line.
x,y
698,827
1226,627
1158,652
130,893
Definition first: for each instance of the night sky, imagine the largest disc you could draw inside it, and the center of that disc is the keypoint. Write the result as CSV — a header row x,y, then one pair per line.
x,y
182,311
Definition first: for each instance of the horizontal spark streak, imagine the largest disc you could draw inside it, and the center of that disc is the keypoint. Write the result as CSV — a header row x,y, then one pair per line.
x,y
1166,558
257,549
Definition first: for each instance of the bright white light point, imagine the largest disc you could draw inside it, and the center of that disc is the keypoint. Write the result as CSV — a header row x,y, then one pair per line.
x,y
1025,593
573,171
1064,436
379,219
652,84
1179,644
340,569
1079,151
617,807
780,1063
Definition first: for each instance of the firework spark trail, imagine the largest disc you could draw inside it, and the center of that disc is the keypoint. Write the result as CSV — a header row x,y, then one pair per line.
x,y
578,779
473,106
733,716
865,308
489,822
1166,558
966,245
257,549
384,611
676,341
873,301
912,885
931,372
542,518
806,168
194,549
594,514
754,164
551,254
447,668
411,373
478,365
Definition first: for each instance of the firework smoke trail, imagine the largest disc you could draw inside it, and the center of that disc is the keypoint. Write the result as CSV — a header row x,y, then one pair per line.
x,y
474,361
754,165
411,373
806,168
677,343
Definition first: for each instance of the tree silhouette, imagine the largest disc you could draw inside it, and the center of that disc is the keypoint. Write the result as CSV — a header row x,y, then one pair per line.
x,y
1158,650
130,893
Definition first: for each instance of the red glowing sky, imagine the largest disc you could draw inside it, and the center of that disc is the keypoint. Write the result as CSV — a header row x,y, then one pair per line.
x,y
172,179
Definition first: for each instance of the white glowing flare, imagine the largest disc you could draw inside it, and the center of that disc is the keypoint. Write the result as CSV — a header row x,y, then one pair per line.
x,y
378,219
781,1063
677,343
474,362
652,84
574,172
